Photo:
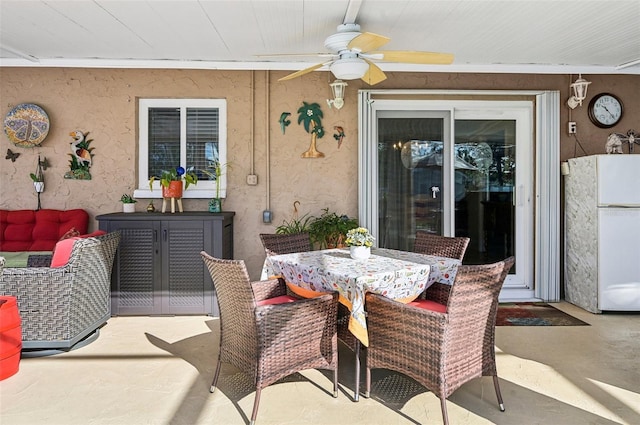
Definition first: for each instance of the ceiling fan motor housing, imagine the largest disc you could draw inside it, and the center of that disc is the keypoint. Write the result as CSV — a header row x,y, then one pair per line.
x,y
339,41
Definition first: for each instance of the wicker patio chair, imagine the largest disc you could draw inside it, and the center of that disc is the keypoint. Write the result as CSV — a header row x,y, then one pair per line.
x,y
299,242
441,246
443,349
61,307
268,334
285,243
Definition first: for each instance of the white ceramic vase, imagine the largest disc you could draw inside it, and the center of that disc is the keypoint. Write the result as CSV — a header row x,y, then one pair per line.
x,y
360,252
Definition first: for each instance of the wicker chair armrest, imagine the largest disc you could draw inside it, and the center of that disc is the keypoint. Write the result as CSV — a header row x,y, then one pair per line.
x,y
19,274
294,320
404,321
265,289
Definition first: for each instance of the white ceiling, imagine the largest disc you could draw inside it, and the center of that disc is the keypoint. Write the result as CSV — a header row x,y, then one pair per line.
x,y
558,36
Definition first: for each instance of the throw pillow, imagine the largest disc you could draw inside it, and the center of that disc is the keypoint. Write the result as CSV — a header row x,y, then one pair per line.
x,y
62,252
71,233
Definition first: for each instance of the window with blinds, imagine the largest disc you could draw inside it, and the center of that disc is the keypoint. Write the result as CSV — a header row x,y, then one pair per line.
x,y
182,132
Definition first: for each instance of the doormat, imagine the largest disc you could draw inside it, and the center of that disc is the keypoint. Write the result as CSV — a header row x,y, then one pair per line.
x,y
534,314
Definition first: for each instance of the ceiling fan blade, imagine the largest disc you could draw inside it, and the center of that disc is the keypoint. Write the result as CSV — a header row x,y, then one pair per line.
x,y
374,75
317,55
368,41
408,56
302,72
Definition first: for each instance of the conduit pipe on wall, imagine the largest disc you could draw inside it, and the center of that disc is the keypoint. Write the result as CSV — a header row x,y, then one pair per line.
x,y
268,143
252,145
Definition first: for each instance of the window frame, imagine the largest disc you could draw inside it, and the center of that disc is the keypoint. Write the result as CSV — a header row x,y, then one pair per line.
x,y
204,189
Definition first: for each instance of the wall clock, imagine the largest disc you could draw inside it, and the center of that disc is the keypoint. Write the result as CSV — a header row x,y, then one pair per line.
x,y
605,110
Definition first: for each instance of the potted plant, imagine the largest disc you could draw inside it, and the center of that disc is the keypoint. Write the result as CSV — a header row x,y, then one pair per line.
x,y
359,241
295,225
215,204
128,203
171,181
330,229
38,176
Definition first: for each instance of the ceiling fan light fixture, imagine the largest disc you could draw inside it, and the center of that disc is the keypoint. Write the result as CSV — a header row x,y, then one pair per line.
x,y
349,68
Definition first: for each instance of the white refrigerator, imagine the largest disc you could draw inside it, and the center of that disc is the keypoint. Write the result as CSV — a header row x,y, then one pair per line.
x,y
602,232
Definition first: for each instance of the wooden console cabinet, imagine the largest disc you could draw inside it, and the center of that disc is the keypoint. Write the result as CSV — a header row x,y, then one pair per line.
x,y
158,268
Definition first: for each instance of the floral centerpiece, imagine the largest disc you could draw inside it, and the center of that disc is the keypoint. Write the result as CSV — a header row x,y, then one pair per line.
x,y
359,241
359,236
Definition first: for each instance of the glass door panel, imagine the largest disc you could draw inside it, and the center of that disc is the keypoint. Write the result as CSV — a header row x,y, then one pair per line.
x,y
410,179
485,163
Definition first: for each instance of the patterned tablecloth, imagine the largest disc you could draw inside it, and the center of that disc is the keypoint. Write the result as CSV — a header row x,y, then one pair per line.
x,y
395,274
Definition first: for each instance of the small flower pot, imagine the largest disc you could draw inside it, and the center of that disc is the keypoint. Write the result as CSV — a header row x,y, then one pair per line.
x,y
39,186
360,252
173,191
129,208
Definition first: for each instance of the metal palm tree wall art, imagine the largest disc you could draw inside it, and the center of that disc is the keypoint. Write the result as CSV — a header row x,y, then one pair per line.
x,y
310,115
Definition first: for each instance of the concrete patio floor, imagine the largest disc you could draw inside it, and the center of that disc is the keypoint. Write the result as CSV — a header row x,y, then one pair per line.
x,y
157,370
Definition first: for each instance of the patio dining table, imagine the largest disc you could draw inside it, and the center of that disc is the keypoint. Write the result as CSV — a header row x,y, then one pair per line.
x,y
398,275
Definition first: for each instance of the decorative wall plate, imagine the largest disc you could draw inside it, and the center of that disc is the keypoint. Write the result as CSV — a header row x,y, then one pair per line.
x,y
26,125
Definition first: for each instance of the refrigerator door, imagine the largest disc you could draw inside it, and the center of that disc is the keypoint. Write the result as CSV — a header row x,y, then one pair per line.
x,y
619,259
618,178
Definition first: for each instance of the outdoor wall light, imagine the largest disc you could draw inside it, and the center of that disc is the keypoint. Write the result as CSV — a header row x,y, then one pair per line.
x,y
337,89
579,88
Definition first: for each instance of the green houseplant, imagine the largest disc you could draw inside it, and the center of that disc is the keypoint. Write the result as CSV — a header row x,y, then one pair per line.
x,y
127,199
329,230
175,175
128,203
168,179
295,225
215,204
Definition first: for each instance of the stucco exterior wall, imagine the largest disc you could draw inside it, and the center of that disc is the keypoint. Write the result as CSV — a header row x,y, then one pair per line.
x,y
103,102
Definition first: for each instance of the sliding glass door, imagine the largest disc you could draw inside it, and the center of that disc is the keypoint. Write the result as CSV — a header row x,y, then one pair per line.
x,y
457,169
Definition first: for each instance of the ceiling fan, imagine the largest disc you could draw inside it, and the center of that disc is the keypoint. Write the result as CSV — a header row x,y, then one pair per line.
x,y
353,54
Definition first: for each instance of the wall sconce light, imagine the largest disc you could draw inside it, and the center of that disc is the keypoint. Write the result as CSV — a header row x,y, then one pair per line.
x,y
337,89
579,88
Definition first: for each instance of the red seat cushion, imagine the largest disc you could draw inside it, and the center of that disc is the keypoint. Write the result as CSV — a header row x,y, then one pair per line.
x,y
277,300
429,305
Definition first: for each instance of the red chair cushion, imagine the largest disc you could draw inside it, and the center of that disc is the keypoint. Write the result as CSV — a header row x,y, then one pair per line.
x,y
277,300
28,230
429,305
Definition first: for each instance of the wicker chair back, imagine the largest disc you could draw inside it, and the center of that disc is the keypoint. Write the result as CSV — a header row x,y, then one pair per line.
x,y
275,243
441,246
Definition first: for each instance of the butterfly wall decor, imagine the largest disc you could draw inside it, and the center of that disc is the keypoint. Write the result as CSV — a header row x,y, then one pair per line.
x,y
12,155
26,125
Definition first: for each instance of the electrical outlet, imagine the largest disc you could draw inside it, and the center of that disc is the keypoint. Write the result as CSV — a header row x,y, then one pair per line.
x,y
252,179
572,127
